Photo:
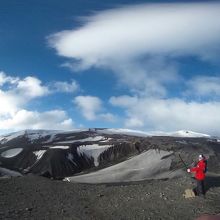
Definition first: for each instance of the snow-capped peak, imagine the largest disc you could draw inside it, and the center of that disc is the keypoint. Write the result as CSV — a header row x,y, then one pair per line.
x,y
185,133
181,133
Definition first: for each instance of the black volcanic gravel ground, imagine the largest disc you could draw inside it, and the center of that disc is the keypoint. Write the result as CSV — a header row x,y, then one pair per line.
x,y
33,197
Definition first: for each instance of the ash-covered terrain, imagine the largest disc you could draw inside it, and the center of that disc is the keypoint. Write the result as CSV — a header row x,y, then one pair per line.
x,y
107,173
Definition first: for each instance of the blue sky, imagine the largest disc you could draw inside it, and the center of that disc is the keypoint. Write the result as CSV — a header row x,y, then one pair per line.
x,y
146,65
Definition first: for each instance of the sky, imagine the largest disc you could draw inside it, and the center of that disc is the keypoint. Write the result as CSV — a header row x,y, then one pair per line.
x,y
145,65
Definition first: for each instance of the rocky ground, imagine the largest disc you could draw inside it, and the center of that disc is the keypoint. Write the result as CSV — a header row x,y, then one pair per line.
x,y
33,197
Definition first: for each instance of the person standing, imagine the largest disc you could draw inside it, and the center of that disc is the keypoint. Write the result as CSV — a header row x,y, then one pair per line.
x,y
199,170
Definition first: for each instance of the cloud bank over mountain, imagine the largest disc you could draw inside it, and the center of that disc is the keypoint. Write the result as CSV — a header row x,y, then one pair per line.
x,y
143,45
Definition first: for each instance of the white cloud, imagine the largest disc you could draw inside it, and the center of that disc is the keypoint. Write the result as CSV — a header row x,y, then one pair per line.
x,y
149,28
134,122
24,119
60,86
9,103
204,86
156,33
142,45
91,108
16,94
89,105
170,114
30,87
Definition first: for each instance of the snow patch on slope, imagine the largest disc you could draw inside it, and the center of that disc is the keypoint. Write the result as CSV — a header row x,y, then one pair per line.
x,y
11,153
9,137
56,147
93,151
60,147
184,133
40,134
96,138
92,139
181,133
53,134
39,153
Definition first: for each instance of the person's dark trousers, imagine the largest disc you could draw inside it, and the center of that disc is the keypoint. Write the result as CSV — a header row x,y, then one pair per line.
x,y
200,187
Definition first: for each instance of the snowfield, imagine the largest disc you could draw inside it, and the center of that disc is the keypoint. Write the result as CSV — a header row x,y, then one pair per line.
x,y
93,151
184,133
93,139
11,153
39,153
59,147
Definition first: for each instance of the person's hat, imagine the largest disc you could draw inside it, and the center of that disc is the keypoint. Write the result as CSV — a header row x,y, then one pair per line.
x,y
201,157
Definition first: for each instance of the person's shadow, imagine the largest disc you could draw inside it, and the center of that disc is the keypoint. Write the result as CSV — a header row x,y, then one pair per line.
x,y
211,182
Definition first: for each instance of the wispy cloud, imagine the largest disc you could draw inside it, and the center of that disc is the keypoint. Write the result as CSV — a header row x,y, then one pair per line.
x,y
156,34
204,86
173,29
7,79
66,87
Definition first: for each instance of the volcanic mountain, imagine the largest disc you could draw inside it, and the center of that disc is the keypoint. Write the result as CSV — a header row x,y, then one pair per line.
x,y
105,155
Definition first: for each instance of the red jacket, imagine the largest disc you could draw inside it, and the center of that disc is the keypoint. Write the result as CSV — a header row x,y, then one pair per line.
x,y
199,170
